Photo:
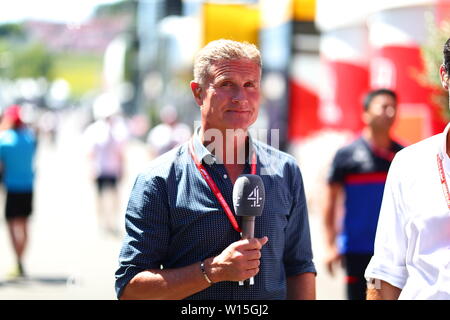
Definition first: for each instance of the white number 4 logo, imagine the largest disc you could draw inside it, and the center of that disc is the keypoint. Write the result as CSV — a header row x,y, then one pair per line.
x,y
254,196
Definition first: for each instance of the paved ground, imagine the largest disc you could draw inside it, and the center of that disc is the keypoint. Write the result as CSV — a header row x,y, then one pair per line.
x,y
69,256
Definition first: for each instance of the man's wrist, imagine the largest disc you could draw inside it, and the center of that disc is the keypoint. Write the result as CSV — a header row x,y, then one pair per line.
x,y
205,274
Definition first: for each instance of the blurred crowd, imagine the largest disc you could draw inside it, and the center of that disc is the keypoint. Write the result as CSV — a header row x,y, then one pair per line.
x,y
26,130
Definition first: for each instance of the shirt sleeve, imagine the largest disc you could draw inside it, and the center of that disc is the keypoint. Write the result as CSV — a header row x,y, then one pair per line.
x,y
298,252
337,168
389,260
147,230
2,134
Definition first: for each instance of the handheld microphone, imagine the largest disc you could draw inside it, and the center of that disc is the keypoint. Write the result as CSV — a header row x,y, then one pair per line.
x,y
248,201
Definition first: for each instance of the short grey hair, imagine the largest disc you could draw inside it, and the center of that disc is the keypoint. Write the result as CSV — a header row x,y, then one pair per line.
x,y
223,49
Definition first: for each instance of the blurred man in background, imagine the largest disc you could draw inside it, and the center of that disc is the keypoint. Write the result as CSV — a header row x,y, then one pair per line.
x,y
106,139
358,175
169,133
17,152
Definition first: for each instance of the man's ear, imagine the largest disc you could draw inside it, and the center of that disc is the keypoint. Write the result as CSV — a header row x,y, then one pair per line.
x,y
197,92
365,117
444,77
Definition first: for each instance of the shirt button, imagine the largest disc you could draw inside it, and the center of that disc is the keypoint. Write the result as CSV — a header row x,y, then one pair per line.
x,y
225,176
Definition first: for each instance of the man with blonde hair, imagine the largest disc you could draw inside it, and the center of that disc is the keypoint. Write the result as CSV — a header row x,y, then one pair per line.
x,y
183,240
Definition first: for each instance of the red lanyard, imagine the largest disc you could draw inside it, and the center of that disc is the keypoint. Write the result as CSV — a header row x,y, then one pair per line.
x,y
214,187
443,181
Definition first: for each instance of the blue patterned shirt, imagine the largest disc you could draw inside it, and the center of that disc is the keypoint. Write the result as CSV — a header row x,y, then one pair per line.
x,y
173,220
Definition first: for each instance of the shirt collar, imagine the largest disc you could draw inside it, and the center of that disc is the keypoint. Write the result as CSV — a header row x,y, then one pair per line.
x,y
203,154
200,150
443,143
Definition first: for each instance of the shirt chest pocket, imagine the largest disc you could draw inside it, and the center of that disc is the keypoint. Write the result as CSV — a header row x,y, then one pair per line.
x,y
275,217
197,212
431,232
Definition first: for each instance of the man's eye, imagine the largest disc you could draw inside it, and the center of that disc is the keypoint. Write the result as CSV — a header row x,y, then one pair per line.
x,y
249,85
226,84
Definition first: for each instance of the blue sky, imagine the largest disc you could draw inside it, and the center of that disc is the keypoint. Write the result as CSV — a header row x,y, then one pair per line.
x,y
67,11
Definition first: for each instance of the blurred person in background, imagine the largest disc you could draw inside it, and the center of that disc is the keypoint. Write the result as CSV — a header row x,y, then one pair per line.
x,y
357,175
169,133
17,153
106,138
412,244
48,125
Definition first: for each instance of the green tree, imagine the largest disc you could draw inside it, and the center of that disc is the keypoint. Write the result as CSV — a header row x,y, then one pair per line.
x,y
117,8
33,61
12,30
432,58
25,61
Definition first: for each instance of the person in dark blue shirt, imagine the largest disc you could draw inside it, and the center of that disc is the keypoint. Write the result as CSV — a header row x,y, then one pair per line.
x,y
17,151
180,243
358,174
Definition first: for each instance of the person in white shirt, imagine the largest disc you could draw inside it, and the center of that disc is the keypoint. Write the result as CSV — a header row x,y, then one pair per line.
x,y
412,244
106,140
169,133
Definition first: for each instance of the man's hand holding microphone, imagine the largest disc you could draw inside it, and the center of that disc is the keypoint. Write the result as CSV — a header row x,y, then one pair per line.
x,y
241,260
238,262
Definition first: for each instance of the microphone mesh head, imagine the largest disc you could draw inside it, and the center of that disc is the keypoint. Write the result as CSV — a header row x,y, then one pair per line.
x,y
248,195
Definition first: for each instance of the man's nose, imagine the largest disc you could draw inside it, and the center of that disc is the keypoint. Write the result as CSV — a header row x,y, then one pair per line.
x,y
240,96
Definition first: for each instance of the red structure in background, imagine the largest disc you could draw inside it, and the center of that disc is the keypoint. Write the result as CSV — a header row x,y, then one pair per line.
x,y
303,121
418,116
305,114
393,61
442,11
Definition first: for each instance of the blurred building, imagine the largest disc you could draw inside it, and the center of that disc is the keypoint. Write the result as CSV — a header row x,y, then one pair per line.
x,y
168,44
92,37
377,44
304,74
320,57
